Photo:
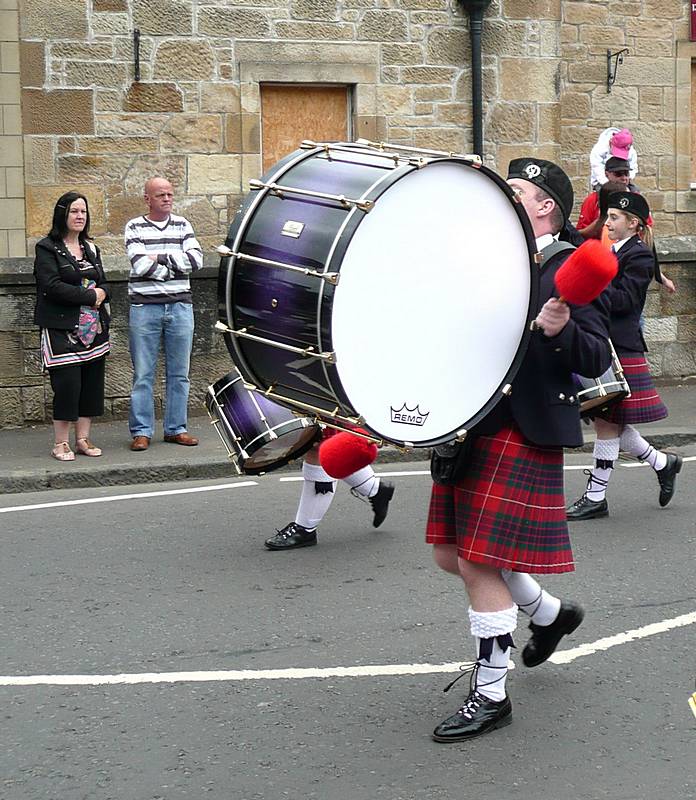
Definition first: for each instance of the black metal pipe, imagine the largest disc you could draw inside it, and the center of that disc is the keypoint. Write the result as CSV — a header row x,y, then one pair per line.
x,y
476,9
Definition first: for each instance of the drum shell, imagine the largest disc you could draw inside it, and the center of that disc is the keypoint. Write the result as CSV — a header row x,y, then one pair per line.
x,y
289,307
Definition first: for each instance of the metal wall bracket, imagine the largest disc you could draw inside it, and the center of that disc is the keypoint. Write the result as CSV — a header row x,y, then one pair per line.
x,y
613,61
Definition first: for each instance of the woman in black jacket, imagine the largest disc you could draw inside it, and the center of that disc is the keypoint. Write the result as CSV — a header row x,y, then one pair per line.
x,y
73,315
627,225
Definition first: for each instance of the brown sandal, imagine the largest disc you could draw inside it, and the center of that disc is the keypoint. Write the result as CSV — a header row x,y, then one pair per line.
x,y
85,448
62,452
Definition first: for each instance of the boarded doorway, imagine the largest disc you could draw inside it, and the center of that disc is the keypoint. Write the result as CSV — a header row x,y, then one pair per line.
x,y
291,113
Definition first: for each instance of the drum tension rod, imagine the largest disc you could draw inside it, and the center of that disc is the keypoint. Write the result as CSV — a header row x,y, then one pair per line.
x,y
281,191
329,277
308,352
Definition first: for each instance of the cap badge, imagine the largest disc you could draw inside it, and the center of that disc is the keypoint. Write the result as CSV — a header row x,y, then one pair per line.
x,y
532,171
623,203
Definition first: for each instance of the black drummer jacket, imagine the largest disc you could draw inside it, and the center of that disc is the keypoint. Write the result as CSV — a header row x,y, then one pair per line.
x,y
543,401
627,294
59,294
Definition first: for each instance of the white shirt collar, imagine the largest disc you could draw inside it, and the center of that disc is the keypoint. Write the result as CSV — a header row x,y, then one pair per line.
x,y
545,241
618,245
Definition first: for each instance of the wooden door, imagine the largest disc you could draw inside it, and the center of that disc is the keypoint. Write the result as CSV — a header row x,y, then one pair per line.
x,y
291,113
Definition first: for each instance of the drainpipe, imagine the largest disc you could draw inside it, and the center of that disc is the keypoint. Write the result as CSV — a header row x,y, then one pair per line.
x,y
476,9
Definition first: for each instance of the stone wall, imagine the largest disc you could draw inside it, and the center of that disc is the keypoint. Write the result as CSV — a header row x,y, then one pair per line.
x,y
195,117
195,113
12,228
25,393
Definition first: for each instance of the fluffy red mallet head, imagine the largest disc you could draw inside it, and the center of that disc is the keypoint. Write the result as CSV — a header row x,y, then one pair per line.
x,y
586,273
343,454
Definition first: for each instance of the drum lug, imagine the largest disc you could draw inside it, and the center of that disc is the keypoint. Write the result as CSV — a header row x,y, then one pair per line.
x,y
461,435
307,352
281,191
507,389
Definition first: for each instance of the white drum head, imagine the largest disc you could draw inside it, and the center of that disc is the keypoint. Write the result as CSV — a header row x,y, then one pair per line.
x,y
432,303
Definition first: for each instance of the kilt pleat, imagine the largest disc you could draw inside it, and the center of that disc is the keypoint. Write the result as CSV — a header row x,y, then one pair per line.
x,y
644,404
508,511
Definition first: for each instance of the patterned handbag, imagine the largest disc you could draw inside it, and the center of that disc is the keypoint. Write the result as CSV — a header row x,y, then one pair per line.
x,y
88,323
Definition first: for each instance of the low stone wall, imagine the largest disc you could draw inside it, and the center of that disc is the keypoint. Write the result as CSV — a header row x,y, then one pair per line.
x,y
25,392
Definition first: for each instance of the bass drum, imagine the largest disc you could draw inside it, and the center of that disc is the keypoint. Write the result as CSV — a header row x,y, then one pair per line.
x,y
380,289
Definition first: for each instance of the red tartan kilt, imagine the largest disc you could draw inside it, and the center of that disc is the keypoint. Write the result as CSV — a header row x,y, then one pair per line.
x,y
644,404
509,509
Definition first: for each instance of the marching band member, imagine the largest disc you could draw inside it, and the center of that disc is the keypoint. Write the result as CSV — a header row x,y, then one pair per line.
x,y
628,228
318,489
504,515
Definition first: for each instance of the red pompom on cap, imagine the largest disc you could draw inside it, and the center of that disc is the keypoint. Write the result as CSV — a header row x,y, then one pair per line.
x,y
586,273
343,454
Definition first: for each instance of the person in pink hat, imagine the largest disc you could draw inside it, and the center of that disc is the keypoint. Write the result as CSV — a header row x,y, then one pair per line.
x,y
612,143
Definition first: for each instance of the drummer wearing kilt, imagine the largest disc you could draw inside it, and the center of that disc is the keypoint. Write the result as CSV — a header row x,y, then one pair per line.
x,y
502,515
627,225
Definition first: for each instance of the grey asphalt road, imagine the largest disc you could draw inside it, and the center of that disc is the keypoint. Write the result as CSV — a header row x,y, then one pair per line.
x,y
181,582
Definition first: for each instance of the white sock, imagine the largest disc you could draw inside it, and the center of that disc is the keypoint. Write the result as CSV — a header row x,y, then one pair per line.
x,y
313,506
606,451
540,606
486,627
363,482
632,442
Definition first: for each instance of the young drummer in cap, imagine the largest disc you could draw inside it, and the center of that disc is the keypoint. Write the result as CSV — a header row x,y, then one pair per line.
x,y
627,225
504,517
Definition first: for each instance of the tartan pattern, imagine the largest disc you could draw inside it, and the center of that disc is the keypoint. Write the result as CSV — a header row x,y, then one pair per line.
x,y
644,404
509,509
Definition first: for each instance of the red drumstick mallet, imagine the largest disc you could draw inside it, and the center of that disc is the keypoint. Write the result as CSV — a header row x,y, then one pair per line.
x,y
586,273
345,453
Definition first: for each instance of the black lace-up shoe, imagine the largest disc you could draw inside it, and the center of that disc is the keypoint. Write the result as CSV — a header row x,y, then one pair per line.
x,y
584,508
477,716
545,638
667,477
380,502
292,535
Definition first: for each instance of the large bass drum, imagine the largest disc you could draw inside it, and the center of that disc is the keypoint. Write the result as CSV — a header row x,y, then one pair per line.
x,y
385,288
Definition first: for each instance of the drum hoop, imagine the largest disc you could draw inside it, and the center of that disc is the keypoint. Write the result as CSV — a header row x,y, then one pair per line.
x,y
333,376
265,438
240,362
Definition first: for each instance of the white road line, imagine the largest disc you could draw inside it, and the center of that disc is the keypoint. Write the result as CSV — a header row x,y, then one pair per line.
x,y
566,656
367,671
136,496
194,490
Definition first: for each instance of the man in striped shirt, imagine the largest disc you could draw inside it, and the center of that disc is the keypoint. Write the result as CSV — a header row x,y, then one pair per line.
x,y
163,252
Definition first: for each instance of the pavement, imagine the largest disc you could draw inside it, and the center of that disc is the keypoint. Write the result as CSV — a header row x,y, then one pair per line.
x,y
26,465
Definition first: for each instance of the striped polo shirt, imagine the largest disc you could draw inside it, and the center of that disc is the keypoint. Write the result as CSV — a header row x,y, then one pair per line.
x,y
178,252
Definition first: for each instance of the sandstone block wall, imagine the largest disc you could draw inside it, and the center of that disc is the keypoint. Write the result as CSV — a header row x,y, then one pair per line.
x,y
72,116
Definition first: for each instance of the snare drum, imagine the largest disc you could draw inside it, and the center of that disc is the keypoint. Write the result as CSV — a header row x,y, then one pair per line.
x,y
259,435
598,394
380,288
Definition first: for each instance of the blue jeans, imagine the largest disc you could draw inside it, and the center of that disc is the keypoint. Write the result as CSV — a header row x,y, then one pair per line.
x,y
148,324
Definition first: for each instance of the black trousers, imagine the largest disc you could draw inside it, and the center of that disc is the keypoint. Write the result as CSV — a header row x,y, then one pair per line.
x,y
78,390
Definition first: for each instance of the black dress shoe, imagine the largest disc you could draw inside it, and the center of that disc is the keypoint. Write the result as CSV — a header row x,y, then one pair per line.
x,y
545,638
667,476
584,508
477,716
292,535
380,502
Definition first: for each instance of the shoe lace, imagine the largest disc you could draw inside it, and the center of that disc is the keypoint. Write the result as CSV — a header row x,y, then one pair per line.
x,y
287,531
471,706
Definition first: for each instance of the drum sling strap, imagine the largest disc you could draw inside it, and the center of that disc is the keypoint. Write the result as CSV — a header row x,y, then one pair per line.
x,y
554,249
